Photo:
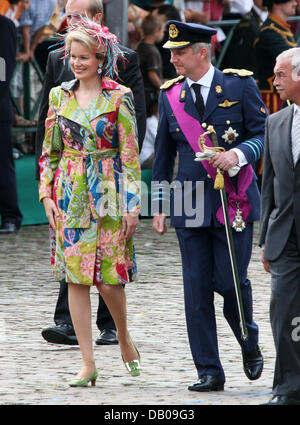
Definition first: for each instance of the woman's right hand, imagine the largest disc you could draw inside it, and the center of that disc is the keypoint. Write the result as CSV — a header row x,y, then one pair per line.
x,y
265,262
159,224
51,211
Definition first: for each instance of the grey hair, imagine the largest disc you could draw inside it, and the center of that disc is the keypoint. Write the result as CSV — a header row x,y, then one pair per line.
x,y
197,46
294,55
95,6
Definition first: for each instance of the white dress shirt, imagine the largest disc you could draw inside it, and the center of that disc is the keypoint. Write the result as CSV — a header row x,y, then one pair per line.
x,y
263,14
295,136
205,83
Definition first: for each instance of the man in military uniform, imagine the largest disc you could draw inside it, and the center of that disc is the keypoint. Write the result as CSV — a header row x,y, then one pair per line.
x,y
229,101
274,37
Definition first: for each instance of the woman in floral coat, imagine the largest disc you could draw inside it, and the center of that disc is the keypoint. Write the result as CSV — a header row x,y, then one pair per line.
x,y
89,185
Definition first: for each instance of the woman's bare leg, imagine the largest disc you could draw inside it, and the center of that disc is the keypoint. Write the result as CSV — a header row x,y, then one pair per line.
x,y
115,298
80,309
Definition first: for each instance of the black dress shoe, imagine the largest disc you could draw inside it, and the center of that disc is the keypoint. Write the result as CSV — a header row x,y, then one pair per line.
x,y
253,363
8,228
207,383
60,334
107,337
282,400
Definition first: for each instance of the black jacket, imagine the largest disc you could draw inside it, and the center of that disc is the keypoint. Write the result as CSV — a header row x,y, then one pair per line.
x,y
8,44
56,72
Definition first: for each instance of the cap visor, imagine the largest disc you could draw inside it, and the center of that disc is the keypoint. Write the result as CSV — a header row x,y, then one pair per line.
x,y
176,44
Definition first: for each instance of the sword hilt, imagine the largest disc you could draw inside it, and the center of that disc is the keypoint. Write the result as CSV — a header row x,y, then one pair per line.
x,y
219,180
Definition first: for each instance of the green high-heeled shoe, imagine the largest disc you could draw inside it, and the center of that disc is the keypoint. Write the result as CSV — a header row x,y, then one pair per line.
x,y
84,382
134,366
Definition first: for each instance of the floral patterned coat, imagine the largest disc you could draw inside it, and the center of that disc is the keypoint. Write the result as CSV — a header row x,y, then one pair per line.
x,y
94,178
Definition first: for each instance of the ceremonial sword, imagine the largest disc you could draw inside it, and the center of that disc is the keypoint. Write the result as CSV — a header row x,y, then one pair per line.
x,y
220,186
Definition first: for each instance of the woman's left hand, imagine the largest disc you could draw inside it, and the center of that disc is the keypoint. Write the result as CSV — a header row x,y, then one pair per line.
x,y
129,225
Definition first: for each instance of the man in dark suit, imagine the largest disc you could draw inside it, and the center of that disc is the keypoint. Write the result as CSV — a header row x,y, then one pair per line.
x,y
188,105
56,73
280,228
11,216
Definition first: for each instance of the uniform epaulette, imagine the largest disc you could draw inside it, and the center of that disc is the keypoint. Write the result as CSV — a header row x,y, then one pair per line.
x,y
170,83
239,72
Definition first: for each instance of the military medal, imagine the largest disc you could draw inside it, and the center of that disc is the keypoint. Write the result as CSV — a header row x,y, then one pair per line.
x,y
238,223
230,135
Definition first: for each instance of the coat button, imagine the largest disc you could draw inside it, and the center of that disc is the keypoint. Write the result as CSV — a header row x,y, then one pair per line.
x,y
177,129
208,176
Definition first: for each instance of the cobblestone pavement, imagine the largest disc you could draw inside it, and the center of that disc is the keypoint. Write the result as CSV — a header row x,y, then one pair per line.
x,y
35,372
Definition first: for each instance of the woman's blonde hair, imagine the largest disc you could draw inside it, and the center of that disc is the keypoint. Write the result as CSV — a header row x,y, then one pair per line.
x,y
82,36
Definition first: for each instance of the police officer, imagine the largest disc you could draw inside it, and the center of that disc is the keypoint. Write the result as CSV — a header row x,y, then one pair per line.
x,y
229,101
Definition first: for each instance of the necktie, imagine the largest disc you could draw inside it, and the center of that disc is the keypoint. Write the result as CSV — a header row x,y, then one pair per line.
x,y
199,99
296,136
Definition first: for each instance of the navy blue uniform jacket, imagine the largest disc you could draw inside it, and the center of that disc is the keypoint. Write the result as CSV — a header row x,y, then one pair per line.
x,y
246,115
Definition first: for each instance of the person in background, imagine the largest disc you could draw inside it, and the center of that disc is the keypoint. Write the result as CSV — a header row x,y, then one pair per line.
x,y
167,12
241,52
152,28
12,9
274,37
135,17
33,23
10,213
147,152
260,11
202,11
48,43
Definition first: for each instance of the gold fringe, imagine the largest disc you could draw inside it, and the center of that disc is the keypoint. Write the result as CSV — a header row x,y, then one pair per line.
x,y
219,181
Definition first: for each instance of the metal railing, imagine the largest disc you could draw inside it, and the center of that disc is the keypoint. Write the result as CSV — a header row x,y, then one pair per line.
x,y
233,23
295,19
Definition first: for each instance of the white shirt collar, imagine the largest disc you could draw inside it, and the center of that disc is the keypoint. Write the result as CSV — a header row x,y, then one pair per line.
x,y
206,80
241,7
263,14
296,109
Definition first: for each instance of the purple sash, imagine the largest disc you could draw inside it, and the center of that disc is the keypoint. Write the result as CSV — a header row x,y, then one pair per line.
x,y
192,130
